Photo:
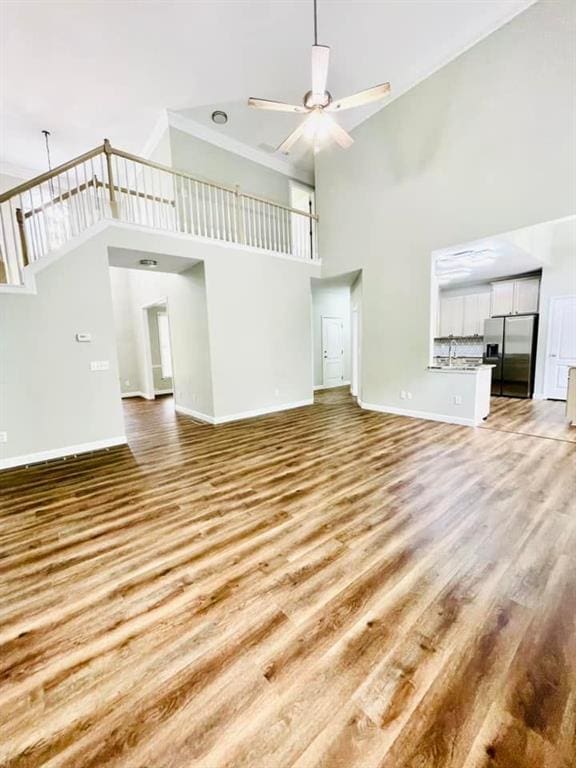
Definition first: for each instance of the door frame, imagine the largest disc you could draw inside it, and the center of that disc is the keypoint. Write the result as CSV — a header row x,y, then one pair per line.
x,y
551,304
341,320
354,351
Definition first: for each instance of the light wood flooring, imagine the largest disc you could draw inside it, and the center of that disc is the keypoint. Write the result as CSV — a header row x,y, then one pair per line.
x,y
321,588
540,418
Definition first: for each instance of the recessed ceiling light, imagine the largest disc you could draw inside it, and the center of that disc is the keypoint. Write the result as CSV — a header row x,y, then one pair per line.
x,y
219,117
149,263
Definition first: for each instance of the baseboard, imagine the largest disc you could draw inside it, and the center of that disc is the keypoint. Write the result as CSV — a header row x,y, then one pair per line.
x,y
60,453
243,415
539,396
194,414
460,420
132,394
262,411
163,391
317,387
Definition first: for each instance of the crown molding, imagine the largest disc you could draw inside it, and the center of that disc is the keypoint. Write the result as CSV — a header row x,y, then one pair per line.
x,y
18,171
160,127
230,144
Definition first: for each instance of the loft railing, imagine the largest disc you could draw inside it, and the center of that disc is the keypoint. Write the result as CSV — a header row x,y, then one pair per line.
x,y
43,214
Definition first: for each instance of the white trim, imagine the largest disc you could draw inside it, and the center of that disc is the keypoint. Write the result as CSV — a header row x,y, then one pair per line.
x,y
59,453
419,414
18,171
29,286
262,411
494,27
164,391
194,414
539,396
318,387
244,414
132,394
160,127
205,133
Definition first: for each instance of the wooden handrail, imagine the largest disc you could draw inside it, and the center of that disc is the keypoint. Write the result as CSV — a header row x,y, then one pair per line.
x,y
109,150
214,185
43,177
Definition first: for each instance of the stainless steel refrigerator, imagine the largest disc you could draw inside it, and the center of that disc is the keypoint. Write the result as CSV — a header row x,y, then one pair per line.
x,y
510,345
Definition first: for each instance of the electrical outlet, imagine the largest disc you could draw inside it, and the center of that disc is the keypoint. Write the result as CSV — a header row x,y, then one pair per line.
x,y
276,392
457,399
403,394
409,395
3,437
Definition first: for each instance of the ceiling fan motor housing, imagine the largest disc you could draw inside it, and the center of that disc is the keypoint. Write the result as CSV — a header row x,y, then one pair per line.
x,y
310,102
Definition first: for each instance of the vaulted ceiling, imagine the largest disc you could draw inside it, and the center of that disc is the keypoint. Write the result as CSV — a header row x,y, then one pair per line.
x,y
89,69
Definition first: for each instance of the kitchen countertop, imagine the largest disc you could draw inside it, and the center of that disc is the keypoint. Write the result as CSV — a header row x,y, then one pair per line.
x,y
470,369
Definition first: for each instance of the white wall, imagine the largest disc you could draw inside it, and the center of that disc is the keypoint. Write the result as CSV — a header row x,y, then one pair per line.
x,y
558,279
50,400
468,153
129,367
330,301
207,161
7,181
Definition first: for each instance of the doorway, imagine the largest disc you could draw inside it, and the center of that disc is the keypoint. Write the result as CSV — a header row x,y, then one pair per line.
x,y
332,351
561,346
159,375
302,198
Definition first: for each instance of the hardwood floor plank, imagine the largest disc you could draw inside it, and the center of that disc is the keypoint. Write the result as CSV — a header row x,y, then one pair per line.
x,y
322,587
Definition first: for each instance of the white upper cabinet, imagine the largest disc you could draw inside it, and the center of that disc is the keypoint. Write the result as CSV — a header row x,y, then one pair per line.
x,y
452,316
526,293
502,298
463,315
515,297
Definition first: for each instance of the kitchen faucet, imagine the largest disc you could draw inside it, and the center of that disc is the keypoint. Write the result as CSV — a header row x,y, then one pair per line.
x,y
451,351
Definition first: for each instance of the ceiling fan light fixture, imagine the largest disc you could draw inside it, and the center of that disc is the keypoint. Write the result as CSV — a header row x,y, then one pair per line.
x,y
318,126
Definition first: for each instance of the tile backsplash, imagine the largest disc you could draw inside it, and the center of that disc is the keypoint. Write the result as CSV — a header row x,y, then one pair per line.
x,y
465,347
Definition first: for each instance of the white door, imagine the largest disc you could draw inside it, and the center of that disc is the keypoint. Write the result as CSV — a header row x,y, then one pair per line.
x,y
333,351
502,298
561,347
355,353
526,296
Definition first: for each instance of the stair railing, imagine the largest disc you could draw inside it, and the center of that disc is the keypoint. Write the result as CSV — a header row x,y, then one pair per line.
x,y
41,215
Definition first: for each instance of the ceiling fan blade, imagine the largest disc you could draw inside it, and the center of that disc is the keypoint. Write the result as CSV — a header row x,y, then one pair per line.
x,y
276,106
361,98
320,60
288,143
338,133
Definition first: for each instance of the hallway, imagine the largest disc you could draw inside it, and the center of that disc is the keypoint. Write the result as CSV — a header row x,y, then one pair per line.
x,y
294,590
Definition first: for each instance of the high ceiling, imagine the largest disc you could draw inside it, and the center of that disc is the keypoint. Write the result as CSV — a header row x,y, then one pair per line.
x,y
89,69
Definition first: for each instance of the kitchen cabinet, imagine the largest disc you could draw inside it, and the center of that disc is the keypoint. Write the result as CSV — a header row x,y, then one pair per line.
x,y
463,315
515,297
452,316
476,310
526,294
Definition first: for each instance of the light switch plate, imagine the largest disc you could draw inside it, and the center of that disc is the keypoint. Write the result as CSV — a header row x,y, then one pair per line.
x,y
100,365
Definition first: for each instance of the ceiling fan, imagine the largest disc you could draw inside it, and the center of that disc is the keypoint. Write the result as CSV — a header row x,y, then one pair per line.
x,y
319,105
